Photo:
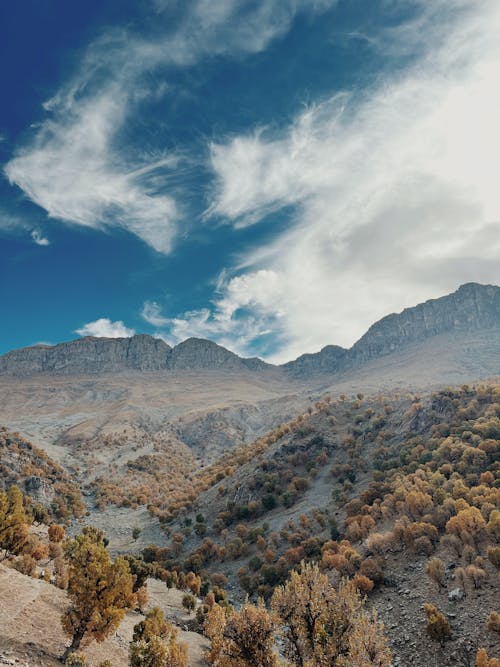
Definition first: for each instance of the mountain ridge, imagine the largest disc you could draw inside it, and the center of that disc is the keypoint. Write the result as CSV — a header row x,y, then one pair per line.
x,y
472,307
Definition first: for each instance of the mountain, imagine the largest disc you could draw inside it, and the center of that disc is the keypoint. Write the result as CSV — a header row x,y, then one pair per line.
x,y
90,356
472,308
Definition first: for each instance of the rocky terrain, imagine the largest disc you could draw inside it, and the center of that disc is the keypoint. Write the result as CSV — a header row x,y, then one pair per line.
x,y
365,457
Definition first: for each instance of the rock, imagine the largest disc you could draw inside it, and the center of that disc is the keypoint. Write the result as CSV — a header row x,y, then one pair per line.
x,y
456,594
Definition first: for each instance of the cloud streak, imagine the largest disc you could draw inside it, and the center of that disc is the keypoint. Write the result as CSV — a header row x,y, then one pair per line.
x,y
38,238
77,167
393,190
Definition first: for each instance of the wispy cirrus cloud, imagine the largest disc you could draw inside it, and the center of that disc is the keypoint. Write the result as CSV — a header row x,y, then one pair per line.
x,y
38,238
151,313
77,166
393,188
105,328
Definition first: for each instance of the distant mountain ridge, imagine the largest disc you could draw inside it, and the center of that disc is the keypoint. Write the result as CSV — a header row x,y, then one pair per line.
x,y
472,307
91,355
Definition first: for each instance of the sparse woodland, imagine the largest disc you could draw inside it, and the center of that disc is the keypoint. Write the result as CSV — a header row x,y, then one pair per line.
x,y
316,524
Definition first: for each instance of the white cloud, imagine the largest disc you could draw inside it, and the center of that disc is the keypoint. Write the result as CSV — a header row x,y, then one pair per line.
x,y
151,312
395,192
77,168
241,314
105,328
38,238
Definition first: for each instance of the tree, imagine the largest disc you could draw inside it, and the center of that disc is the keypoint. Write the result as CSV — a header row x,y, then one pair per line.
x,y
213,628
188,602
244,639
493,622
100,590
468,525
56,533
324,626
154,643
367,645
14,522
438,627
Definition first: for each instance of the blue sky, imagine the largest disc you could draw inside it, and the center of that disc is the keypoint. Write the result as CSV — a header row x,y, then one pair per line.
x,y
274,176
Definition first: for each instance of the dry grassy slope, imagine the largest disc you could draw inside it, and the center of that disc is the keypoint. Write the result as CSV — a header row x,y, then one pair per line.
x,y
399,599
30,630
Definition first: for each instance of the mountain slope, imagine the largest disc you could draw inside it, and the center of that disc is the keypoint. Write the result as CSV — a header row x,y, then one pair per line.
x,y
472,309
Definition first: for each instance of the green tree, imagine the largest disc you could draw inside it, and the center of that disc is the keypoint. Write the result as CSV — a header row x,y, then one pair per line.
x,y
100,590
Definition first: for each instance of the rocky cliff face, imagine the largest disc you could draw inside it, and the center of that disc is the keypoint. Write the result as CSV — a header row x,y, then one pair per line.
x,y
328,360
90,356
471,308
196,353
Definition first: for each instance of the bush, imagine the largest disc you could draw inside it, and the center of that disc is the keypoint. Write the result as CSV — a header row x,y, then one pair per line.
x,y
438,627
189,602
493,622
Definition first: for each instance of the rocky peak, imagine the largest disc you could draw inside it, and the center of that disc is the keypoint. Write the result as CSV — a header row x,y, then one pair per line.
x,y
327,360
200,353
472,307
87,356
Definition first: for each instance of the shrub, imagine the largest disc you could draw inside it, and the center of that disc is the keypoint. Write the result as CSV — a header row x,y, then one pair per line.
x,y
438,627
493,622
435,570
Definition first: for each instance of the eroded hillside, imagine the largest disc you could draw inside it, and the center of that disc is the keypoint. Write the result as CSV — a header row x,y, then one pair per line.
x,y
373,488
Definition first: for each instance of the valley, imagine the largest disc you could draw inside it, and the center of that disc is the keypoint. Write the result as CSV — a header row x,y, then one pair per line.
x,y
237,471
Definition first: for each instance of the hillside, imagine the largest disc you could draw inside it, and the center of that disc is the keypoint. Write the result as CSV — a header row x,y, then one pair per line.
x,y
31,633
385,473
93,405
46,482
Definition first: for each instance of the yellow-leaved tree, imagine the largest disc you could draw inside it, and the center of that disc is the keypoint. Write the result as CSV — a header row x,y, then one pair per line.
x,y
14,522
242,639
325,627
100,589
155,644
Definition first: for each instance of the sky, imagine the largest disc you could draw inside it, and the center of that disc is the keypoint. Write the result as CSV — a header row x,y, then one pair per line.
x,y
273,175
